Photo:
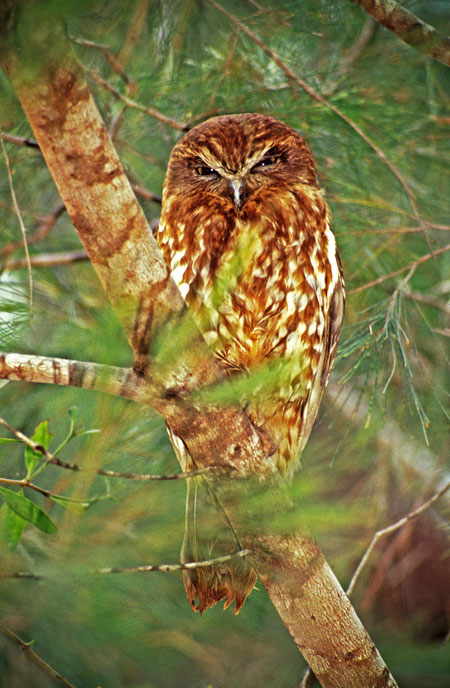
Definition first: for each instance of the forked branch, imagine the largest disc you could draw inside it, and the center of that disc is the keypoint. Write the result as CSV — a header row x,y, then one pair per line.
x,y
117,239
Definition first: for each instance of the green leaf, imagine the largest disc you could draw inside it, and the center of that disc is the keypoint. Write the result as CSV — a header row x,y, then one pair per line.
x,y
7,440
42,437
28,510
11,526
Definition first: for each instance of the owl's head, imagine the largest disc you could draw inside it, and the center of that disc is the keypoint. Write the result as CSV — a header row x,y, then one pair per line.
x,y
235,156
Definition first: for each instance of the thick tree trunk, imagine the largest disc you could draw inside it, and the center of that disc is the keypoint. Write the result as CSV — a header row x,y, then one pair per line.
x,y
113,229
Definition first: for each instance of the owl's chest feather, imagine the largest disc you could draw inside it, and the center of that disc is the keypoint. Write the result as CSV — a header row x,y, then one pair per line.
x,y
258,284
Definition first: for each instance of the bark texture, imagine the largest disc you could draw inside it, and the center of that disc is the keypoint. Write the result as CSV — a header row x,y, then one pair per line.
x,y
409,28
113,229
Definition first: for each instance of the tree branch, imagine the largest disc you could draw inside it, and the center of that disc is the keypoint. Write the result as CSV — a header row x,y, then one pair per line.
x,y
48,457
409,28
45,260
26,647
39,234
60,371
170,568
391,529
134,105
412,265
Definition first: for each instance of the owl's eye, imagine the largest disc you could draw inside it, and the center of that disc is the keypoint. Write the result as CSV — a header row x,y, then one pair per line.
x,y
265,162
204,171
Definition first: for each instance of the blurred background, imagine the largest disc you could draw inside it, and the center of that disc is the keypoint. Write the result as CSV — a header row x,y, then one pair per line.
x,y
380,445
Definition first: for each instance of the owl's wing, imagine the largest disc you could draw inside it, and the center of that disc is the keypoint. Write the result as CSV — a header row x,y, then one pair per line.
x,y
331,339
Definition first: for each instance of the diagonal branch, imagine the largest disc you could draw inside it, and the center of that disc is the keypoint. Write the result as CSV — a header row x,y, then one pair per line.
x,y
391,529
26,649
413,265
292,76
409,28
134,105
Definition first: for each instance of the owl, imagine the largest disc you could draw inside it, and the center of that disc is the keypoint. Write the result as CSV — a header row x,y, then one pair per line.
x,y
246,233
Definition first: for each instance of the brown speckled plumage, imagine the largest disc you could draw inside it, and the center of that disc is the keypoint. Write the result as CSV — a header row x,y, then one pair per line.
x,y
246,233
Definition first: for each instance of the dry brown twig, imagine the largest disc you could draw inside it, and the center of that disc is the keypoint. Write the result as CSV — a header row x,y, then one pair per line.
x,y
46,260
411,266
39,234
111,59
391,529
22,229
152,112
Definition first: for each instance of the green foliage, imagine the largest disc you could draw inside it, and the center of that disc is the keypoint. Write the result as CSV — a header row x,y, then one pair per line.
x,y
367,462
28,510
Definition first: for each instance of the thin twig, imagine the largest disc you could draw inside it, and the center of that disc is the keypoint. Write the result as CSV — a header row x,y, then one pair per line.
x,y
19,140
27,483
392,528
21,574
40,233
50,458
169,568
136,106
412,265
137,23
45,260
26,647
22,228
145,194
110,58
398,230
316,96
429,300
354,52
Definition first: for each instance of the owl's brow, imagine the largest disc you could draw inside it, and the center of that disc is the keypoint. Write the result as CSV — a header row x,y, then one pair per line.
x,y
273,151
194,161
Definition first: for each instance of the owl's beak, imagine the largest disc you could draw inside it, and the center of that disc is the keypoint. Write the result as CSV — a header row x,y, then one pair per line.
x,y
236,192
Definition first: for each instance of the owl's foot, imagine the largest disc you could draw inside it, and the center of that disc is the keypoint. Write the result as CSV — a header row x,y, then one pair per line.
x,y
232,581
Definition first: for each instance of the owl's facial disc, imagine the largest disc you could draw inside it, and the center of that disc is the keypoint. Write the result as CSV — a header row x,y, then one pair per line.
x,y
236,185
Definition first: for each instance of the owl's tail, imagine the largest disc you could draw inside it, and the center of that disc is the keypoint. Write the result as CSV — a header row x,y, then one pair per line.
x,y
209,535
